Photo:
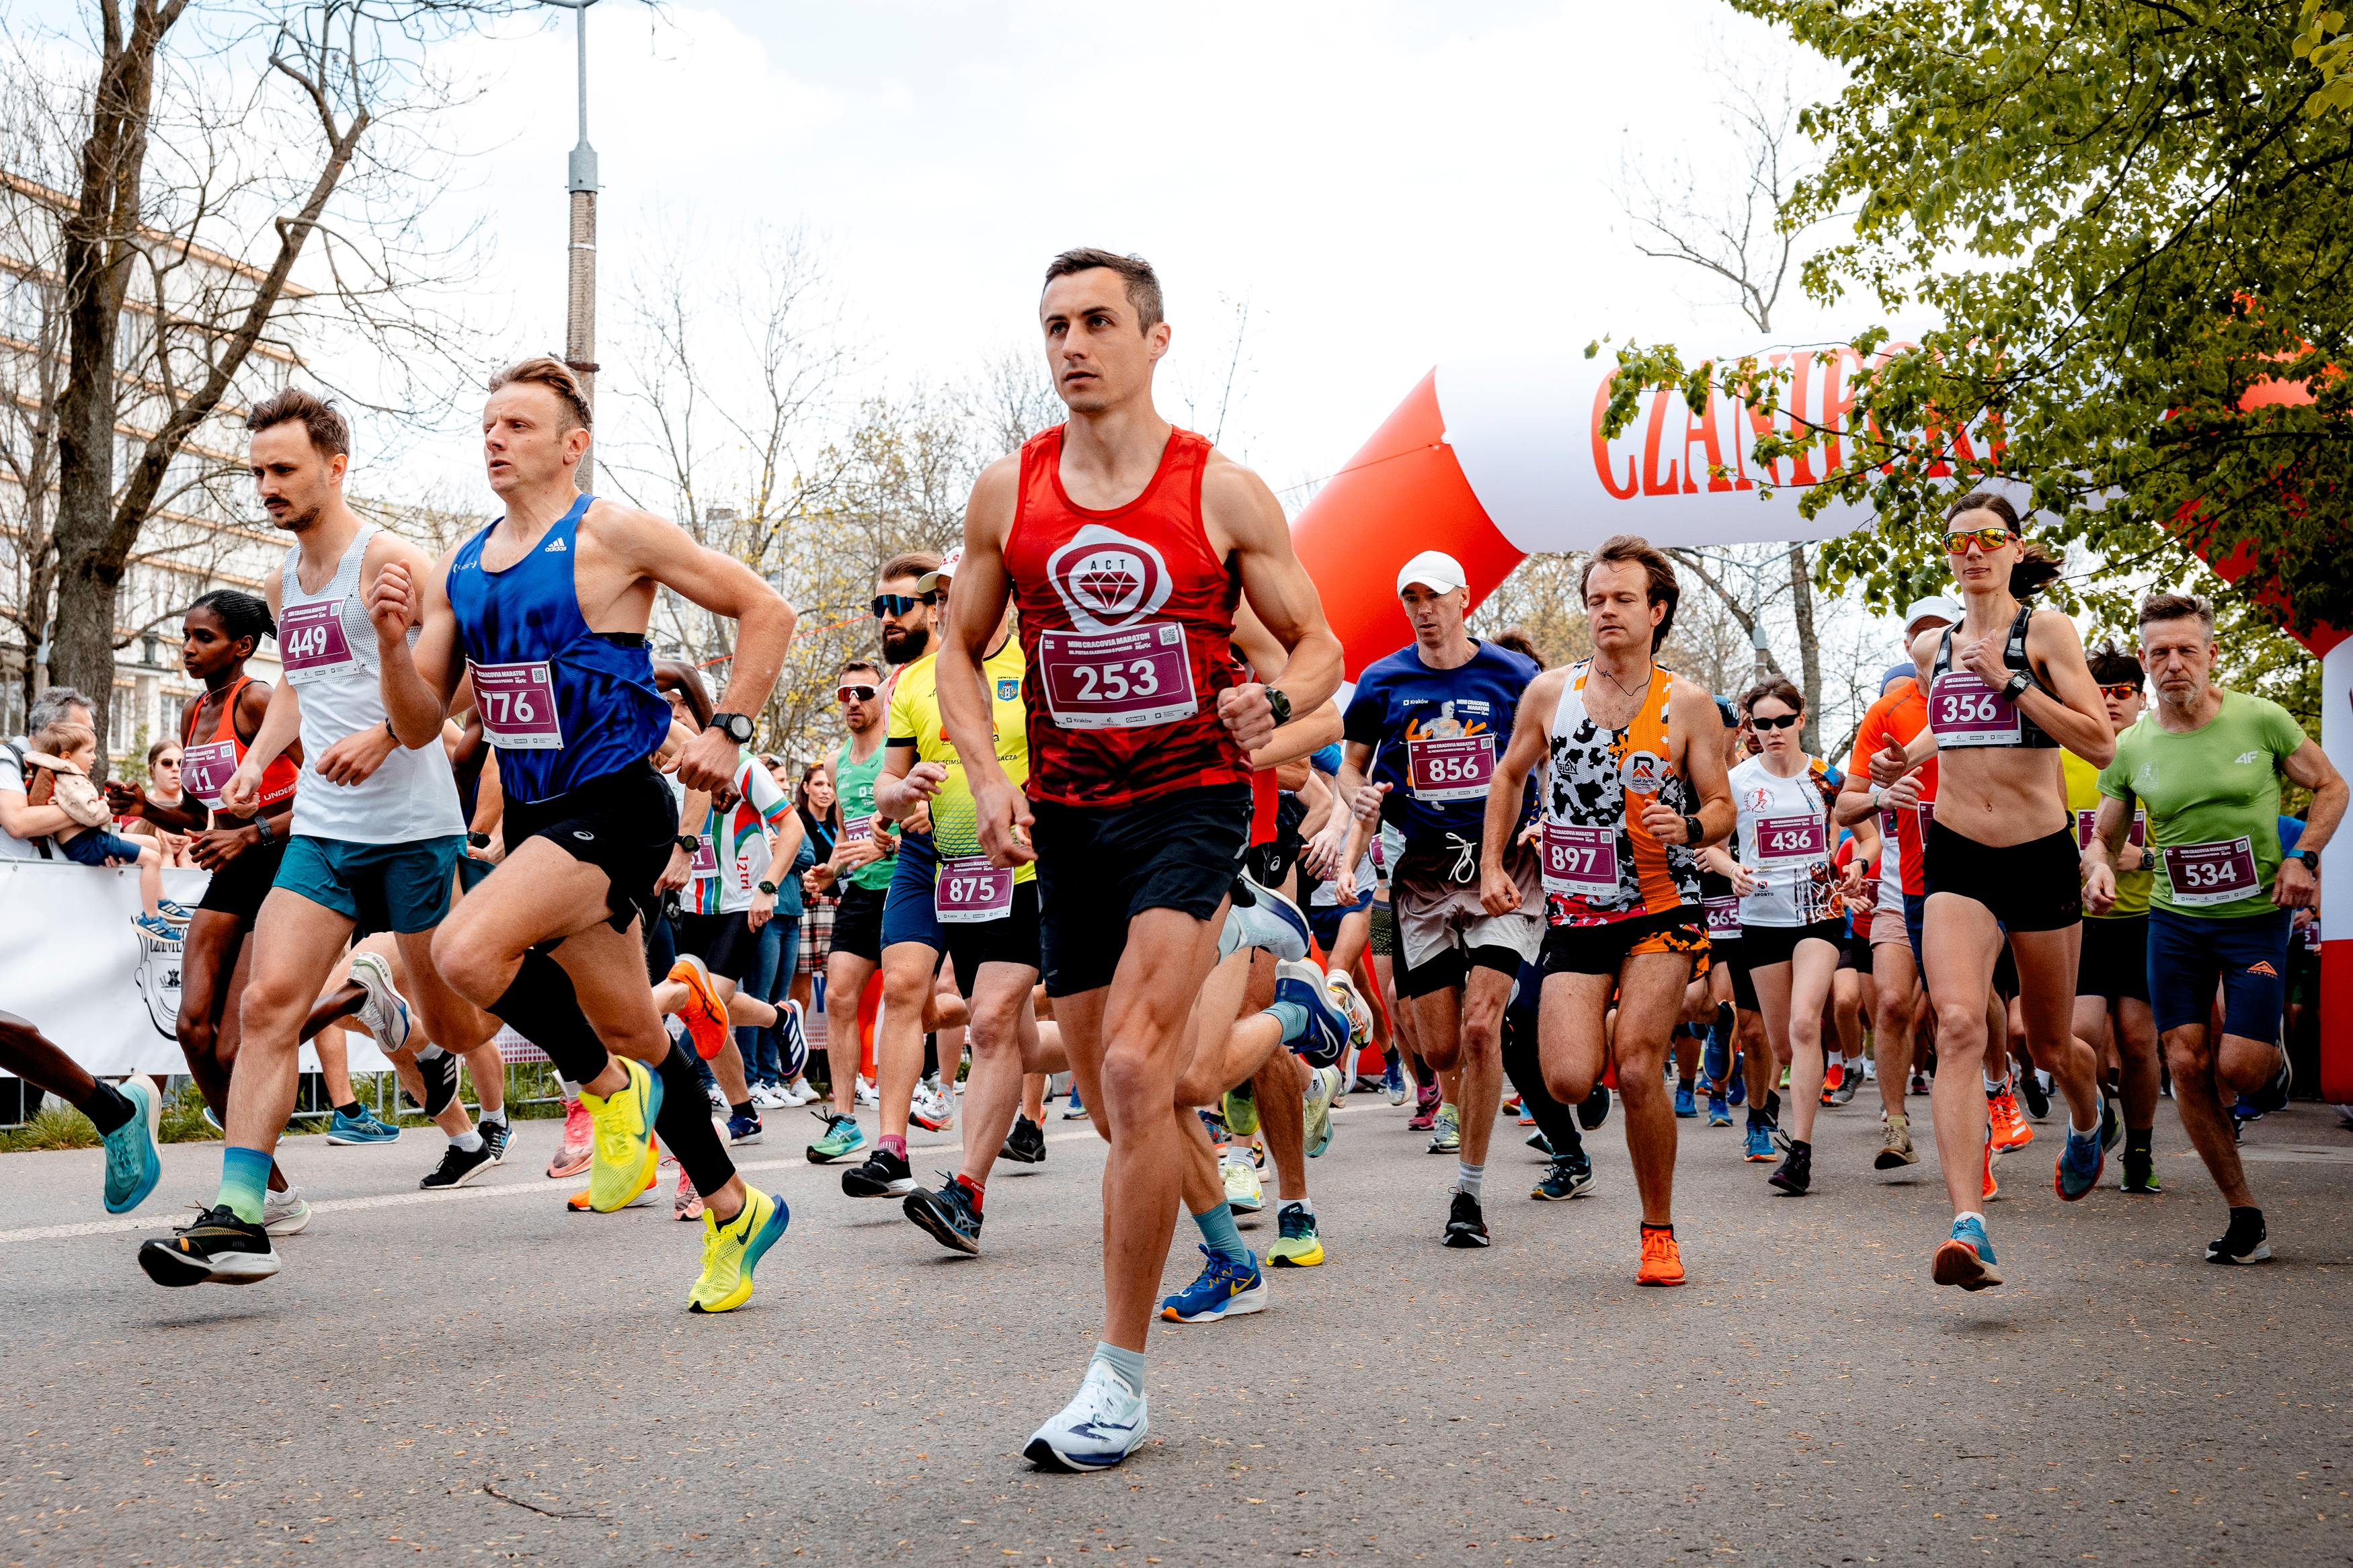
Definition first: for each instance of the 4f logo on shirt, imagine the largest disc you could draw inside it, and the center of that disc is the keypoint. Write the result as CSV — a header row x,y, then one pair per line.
x,y
1106,580
2247,757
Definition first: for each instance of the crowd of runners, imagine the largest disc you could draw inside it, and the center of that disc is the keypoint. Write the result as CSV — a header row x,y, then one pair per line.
x,y
1103,815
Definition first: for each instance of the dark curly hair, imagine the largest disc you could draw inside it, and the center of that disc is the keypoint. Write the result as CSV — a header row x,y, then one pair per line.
x,y
240,614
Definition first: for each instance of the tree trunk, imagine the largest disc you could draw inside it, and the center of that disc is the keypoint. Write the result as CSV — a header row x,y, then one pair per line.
x,y
96,252
1810,654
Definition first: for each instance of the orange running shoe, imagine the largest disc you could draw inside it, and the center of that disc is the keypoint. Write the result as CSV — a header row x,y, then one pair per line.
x,y
705,1015
578,1201
1662,1260
576,1151
688,1203
2010,1128
1992,1188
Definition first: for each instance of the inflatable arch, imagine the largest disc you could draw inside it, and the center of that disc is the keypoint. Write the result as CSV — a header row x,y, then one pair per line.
x,y
1495,460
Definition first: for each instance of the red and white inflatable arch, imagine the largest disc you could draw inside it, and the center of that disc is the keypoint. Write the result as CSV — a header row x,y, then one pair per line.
x,y
1493,460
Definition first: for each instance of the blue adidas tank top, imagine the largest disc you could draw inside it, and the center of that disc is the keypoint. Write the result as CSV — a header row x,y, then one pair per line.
x,y
564,705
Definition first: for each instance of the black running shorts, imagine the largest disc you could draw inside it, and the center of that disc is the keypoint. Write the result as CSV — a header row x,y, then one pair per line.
x,y
624,824
2034,886
2114,962
727,944
1012,940
238,887
858,921
1099,870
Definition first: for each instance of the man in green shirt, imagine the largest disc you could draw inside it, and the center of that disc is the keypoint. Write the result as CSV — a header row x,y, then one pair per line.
x,y
865,856
2112,971
2205,765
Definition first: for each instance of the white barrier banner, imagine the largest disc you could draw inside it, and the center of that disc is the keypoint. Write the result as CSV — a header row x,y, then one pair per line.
x,y
73,964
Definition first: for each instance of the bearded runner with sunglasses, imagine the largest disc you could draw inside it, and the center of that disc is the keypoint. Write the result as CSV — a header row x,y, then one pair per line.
x,y
1419,743
1127,544
2005,690
864,858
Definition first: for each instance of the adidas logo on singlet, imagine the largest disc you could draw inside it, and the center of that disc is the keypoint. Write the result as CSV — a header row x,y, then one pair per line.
x,y
554,545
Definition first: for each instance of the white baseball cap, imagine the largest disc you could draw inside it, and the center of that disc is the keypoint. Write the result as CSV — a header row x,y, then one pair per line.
x,y
945,568
1934,607
1434,570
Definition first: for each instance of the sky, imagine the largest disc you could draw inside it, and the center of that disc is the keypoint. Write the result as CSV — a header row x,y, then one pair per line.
x,y
1383,184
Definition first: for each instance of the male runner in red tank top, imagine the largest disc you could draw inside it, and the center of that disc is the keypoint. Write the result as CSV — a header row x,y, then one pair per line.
x,y
1127,543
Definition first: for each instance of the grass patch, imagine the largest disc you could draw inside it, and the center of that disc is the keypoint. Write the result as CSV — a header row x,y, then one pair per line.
x,y
56,1126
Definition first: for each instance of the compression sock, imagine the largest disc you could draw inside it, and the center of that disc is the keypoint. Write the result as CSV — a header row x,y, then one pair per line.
x,y
1218,1233
541,1006
245,1172
107,1107
349,1112
1469,1179
685,1127
1292,1016
1126,1365
893,1144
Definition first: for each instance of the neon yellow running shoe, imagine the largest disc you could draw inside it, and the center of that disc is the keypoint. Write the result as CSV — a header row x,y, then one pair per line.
x,y
731,1251
1299,1246
1241,1108
624,1157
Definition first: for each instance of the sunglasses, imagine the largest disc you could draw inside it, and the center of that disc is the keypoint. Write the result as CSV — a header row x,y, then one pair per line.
x,y
1783,722
2120,692
886,605
167,762
855,693
1985,539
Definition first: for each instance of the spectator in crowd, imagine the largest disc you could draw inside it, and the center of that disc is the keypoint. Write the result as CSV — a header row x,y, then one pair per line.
x,y
25,828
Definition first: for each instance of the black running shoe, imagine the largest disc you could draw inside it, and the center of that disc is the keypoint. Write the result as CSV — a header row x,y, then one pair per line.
x,y
2140,1173
2247,1240
2112,1126
1591,1113
2029,1093
459,1166
1796,1171
1465,1225
1563,1180
440,1075
2273,1096
1026,1142
218,1249
948,1215
884,1175
494,1138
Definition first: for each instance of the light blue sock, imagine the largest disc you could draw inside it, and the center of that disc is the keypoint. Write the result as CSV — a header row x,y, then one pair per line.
x,y
1127,1364
244,1177
1218,1234
1292,1016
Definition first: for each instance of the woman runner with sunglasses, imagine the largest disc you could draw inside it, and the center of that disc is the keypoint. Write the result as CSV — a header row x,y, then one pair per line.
x,y
2006,689
1790,899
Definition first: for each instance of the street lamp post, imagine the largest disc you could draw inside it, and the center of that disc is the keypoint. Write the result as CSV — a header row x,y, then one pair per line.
x,y
580,293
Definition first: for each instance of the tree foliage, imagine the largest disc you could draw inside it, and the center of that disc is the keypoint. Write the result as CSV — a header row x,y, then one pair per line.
x,y
2130,220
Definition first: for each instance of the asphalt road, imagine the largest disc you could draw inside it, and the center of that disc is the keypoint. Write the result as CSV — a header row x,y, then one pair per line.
x,y
458,1377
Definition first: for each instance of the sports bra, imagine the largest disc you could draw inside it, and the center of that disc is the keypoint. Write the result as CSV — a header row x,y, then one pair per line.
x,y
1964,712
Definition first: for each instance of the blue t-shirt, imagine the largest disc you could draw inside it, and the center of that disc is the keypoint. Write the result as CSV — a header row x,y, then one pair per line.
x,y
2291,833
1436,736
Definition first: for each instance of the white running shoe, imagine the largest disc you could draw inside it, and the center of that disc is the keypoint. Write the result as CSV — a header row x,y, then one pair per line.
x,y
865,1094
1243,1192
383,1011
284,1213
1101,1425
768,1098
1351,1001
798,1092
1270,922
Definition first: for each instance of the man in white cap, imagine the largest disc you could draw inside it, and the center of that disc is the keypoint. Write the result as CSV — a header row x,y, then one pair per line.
x,y
1904,810
1420,740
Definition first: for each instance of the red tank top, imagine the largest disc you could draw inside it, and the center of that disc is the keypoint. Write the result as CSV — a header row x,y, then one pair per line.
x,y
1127,617
206,766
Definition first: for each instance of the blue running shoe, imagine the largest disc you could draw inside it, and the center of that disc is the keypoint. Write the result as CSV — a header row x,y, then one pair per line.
x,y
792,1039
1966,1261
1739,1076
1760,1141
1074,1112
134,1164
1687,1103
1226,1289
177,914
1393,1083
1718,1113
365,1127
2078,1171
1540,1143
1325,1035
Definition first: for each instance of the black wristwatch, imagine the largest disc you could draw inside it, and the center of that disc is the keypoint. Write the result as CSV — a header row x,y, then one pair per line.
x,y
2311,859
261,826
736,727
477,840
766,887
689,842
1693,832
2016,686
1279,705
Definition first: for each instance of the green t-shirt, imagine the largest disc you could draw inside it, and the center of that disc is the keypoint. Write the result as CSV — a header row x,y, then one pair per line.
x,y
2083,800
2206,791
853,782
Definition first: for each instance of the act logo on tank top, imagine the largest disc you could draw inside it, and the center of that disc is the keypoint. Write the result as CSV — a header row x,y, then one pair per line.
x,y
1106,579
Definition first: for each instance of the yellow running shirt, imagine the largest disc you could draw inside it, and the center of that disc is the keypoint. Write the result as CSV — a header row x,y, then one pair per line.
x,y
915,722
2083,800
